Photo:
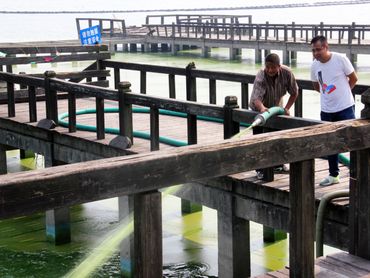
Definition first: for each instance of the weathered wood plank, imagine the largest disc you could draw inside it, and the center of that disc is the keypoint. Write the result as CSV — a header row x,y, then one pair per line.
x,y
76,74
21,48
144,67
54,59
79,183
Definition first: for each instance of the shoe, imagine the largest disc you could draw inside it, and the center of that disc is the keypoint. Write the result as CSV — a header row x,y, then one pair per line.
x,y
259,175
282,169
329,180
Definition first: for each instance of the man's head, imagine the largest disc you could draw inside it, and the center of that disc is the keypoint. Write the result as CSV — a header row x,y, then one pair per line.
x,y
320,48
272,64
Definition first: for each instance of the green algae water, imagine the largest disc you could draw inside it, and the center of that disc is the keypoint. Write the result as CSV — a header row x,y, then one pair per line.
x,y
189,241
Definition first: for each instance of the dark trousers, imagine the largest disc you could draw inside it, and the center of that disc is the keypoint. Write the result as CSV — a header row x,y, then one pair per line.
x,y
346,114
259,130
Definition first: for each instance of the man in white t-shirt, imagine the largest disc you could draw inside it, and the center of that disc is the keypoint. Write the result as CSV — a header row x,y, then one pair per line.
x,y
333,76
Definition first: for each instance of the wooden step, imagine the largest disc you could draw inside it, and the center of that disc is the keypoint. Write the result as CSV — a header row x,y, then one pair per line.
x,y
338,265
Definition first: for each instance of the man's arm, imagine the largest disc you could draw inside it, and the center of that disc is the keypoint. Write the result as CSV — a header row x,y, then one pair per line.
x,y
259,106
290,103
316,86
352,79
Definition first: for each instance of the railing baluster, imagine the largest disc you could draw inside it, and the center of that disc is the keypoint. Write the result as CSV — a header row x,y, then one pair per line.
x,y
117,77
72,112
298,105
100,122
212,91
172,85
154,129
245,95
32,104
142,82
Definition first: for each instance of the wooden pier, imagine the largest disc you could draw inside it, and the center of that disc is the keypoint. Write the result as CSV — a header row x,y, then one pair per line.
x,y
177,32
214,172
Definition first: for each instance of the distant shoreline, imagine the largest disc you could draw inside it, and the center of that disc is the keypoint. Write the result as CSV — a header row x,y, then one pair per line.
x,y
281,6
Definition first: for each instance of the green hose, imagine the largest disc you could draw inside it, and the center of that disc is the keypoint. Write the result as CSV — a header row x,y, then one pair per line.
x,y
320,218
344,159
166,140
138,134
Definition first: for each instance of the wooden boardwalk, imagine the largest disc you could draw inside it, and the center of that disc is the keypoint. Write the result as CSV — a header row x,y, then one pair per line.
x,y
206,171
206,31
175,128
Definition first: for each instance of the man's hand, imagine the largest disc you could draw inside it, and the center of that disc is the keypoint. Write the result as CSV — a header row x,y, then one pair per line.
x,y
287,112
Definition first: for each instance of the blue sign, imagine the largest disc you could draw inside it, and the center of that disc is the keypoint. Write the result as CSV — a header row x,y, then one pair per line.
x,y
91,35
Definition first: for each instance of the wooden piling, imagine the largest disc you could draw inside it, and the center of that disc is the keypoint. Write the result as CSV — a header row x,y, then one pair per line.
x,y
302,219
359,225
148,235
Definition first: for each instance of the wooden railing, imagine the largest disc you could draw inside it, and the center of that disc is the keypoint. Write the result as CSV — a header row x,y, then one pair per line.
x,y
199,18
54,187
300,33
191,74
108,27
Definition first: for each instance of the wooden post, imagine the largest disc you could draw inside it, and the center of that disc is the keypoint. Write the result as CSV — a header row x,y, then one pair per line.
x,y
72,121
142,82
127,249
32,104
117,77
172,85
359,226
302,219
100,121
286,57
51,98
273,235
233,241
230,127
125,111
148,235
57,221
191,95
298,105
154,129
11,98
258,55
212,91
3,165
245,95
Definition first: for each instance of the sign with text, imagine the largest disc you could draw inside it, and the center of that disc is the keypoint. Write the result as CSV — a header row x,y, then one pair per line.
x,y
91,35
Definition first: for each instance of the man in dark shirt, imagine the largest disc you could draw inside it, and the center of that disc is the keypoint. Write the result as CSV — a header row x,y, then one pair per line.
x,y
269,88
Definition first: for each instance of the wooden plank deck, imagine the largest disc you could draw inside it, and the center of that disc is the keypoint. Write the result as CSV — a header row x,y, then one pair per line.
x,y
336,265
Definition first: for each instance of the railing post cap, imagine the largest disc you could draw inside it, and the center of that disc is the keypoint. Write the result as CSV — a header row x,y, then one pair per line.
x,y
50,74
231,101
125,86
191,65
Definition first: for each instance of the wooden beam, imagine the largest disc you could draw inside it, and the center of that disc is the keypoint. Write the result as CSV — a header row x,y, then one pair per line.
x,y
94,180
302,219
359,205
148,235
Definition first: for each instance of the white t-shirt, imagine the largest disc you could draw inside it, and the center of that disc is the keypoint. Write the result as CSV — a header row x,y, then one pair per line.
x,y
335,94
